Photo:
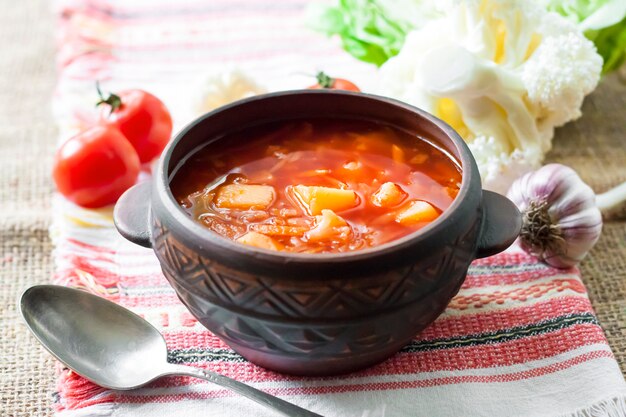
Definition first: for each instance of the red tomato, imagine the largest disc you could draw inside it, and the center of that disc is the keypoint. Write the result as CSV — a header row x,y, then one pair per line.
x,y
325,81
142,118
95,167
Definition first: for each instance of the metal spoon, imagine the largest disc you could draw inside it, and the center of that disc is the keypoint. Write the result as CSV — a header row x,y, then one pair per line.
x,y
113,347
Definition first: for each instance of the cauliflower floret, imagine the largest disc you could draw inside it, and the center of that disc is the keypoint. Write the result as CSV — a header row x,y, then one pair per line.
x,y
499,167
502,73
225,87
559,74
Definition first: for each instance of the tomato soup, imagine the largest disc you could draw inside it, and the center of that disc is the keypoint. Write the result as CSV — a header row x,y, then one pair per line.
x,y
317,186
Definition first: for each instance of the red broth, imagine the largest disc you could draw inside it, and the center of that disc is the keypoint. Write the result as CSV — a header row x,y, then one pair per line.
x,y
317,186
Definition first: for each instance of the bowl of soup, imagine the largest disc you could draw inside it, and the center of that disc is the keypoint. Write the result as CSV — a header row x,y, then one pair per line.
x,y
316,232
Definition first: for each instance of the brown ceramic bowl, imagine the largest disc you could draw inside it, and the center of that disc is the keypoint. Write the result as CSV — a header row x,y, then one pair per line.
x,y
316,314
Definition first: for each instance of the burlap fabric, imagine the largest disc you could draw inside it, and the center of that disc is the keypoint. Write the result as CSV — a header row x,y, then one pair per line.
x,y
27,137
595,146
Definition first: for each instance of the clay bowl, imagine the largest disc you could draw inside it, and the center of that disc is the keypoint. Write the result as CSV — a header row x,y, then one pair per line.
x,y
316,314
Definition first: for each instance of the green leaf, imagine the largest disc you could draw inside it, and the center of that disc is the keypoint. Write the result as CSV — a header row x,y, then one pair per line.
x,y
364,51
611,44
365,30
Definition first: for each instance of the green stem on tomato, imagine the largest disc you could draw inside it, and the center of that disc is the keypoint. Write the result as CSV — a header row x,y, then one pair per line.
x,y
324,80
112,100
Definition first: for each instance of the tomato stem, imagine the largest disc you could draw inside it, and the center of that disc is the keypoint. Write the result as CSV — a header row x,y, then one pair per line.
x,y
324,80
112,100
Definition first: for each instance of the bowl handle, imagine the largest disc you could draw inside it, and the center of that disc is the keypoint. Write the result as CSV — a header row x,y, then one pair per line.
x,y
131,214
501,225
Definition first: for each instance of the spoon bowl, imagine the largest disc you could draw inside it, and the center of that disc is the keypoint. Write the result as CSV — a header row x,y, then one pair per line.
x,y
108,345
113,347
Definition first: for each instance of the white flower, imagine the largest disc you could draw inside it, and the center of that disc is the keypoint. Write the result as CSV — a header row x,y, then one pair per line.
x,y
503,73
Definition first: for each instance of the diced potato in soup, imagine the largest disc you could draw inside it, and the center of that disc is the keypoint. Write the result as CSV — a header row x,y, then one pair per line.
x,y
317,186
260,241
244,196
397,153
417,212
315,199
388,195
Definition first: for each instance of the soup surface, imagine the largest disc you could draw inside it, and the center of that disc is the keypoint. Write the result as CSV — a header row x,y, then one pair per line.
x,y
317,186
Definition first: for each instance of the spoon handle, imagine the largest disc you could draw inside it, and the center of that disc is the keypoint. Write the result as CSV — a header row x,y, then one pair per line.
x,y
254,394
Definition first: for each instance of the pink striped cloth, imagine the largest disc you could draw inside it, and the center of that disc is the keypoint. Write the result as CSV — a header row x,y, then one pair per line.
x,y
520,339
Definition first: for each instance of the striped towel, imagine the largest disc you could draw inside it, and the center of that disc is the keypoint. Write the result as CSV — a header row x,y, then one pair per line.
x,y
520,339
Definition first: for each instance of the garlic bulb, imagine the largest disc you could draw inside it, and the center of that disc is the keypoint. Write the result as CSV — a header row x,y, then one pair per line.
x,y
561,221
